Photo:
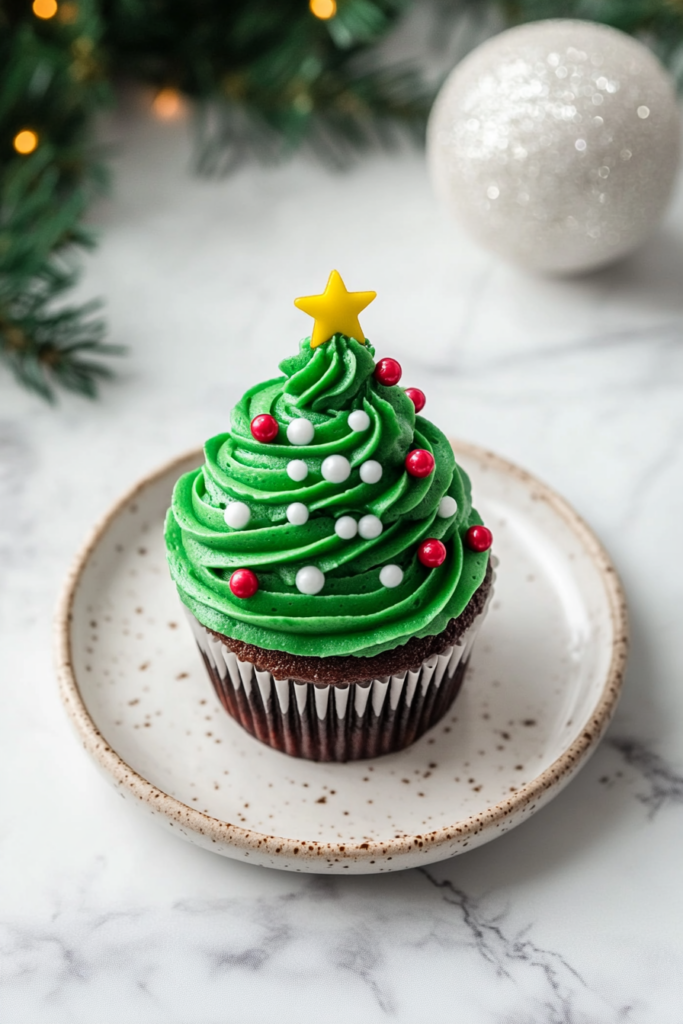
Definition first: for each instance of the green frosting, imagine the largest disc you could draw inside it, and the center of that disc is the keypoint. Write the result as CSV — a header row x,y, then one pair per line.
x,y
353,613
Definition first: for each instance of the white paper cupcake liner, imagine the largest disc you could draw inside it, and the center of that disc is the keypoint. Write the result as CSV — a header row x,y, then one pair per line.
x,y
336,722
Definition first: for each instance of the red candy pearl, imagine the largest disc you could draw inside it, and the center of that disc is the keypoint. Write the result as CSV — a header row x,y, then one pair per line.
x,y
388,372
264,427
417,397
479,538
419,462
432,553
244,583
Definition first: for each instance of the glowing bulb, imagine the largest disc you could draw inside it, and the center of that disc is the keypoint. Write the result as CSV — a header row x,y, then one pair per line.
x,y
25,141
323,9
45,8
167,104
68,12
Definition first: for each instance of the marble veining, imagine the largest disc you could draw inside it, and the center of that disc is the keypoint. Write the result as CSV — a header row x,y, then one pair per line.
x,y
664,782
323,933
558,987
572,918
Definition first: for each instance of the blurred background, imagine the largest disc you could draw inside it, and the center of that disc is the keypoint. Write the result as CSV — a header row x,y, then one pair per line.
x,y
245,84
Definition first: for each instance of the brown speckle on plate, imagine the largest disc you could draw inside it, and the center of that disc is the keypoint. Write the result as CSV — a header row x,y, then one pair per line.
x,y
375,805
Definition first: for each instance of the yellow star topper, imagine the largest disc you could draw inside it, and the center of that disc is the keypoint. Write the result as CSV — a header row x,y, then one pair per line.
x,y
335,311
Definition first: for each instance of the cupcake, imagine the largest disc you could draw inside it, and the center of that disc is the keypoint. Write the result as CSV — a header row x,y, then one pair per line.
x,y
329,558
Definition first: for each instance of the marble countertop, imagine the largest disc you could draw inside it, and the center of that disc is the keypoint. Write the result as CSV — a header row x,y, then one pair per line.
x,y
575,917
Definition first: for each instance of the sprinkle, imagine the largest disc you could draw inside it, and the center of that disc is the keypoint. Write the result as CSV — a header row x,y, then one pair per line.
x,y
371,472
310,580
391,575
237,514
358,420
370,527
336,469
346,527
447,507
297,513
300,431
297,470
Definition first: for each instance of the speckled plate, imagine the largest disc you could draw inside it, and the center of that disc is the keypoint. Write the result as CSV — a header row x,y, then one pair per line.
x,y
542,686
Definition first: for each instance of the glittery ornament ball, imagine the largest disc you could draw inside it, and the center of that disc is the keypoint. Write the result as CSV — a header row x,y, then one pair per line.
x,y
556,144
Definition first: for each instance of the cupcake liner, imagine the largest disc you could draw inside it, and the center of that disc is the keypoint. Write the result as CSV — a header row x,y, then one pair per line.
x,y
336,722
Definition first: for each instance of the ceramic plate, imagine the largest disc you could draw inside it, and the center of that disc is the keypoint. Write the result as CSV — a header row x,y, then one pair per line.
x,y
541,688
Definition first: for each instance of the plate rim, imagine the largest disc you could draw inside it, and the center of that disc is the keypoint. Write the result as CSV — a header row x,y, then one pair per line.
x,y
553,778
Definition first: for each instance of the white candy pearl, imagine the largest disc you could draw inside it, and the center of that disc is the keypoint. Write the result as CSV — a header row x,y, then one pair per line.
x,y
336,469
237,515
297,513
346,527
391,575
359,420
370,527
297,470
300,431
371,472
310,580
447,507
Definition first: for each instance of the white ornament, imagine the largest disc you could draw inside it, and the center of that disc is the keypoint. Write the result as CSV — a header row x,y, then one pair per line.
x,y
310,580
391,575
300,431
371,472
297,470
370,527
447,507
556,144
237,514
297,513
346,527
336,469
359,420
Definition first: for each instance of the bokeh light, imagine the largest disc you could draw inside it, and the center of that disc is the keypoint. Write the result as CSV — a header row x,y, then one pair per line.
x,y
45,8
323,9
167,104
68,12
25,141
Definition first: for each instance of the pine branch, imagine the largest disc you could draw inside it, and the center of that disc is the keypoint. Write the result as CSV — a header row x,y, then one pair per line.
x,y
339,115
46,345
42,343
659,23
50,86
265,76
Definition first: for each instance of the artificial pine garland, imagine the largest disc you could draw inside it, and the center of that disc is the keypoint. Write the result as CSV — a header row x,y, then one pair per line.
x,y
265,77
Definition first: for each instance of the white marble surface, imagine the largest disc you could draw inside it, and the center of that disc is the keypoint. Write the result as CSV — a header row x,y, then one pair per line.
x,y
574,918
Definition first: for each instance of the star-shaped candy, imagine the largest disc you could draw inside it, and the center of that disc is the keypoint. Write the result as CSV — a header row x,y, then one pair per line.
x,y
335,311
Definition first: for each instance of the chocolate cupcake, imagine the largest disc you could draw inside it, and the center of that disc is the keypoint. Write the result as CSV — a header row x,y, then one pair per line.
x,y
327,552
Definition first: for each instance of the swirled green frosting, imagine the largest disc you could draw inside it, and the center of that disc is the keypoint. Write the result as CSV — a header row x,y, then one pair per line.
x,y
353,614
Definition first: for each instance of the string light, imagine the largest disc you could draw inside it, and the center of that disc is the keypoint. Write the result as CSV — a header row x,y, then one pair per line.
x,y
323,9
25,141
45,9
167,104
68,12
